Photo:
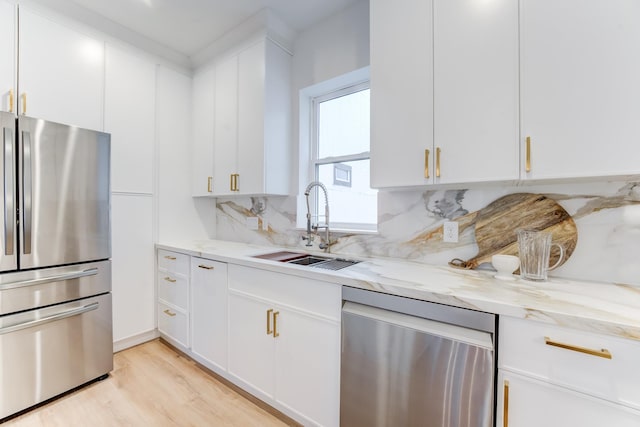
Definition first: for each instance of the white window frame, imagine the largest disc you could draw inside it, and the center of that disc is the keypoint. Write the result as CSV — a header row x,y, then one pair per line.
x,y
309,100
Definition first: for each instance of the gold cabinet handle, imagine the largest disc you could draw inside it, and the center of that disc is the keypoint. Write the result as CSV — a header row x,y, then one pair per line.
x,y
426,163
169,313
170,280
231,182
438,162
505,406
527,165
604,353
269,331
206,267
210,184
170,258
275,324
11,101
234,182
24,103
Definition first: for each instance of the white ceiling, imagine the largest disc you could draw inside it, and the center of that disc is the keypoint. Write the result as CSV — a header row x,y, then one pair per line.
x,y
188,26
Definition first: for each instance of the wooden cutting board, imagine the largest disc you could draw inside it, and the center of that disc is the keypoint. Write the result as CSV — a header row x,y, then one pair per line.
x,y
497,223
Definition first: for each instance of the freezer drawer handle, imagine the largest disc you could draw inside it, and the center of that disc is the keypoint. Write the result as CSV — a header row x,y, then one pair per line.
x,y
49,279
53,318
9,197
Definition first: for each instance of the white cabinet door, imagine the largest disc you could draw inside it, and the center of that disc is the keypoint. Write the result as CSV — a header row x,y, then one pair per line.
x,y
401,92
251,115
209,311
476,90
580,64
7,56
61,72
203,114
532,403
130,85
251,347
264,81
133,263
307,366
225,125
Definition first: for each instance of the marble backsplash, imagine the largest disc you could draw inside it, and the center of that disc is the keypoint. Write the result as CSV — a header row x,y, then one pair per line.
x,y
607,215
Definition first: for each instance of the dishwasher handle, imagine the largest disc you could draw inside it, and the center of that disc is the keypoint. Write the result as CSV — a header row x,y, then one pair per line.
x,y
431,327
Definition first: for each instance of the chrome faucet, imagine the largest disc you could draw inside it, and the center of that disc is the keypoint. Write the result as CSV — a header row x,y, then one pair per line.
x,y
309,238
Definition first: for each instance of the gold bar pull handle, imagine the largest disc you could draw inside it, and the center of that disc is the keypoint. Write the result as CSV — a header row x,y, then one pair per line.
x,y
24,103
505,405
236,176
604,353
206,267
426,164
269,331
527,162
11,101
210,184
231,182
275,324
170,280
169,313
438,162
169,257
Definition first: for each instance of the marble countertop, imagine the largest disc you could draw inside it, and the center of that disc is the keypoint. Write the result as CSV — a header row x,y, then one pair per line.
x,y
608,308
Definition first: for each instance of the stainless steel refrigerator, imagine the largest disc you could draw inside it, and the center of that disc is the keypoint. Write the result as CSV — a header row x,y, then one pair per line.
x,y
55,268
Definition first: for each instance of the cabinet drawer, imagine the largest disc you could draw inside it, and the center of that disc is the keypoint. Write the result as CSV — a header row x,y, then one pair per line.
x,y
173,261
309,295
174,324
173,289
532,348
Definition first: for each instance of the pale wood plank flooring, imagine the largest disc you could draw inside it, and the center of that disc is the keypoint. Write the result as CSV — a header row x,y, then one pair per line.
x,y
151,385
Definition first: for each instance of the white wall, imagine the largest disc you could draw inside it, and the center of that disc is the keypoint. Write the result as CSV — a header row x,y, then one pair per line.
x,y
180,216
335,46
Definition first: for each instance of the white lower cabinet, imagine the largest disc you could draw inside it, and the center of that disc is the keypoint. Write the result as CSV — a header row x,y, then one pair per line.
x,y
173,297
284,342
209,312
555,376
534,403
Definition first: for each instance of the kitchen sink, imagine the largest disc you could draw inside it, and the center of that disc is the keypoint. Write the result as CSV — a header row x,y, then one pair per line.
x,y
308,260
301,258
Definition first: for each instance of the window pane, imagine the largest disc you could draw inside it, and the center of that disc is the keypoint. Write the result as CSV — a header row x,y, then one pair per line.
x,y
344,125
349,204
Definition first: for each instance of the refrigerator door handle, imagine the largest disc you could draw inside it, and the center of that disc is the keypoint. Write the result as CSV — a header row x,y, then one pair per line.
x,y
27,195
9,196
50,279
52,318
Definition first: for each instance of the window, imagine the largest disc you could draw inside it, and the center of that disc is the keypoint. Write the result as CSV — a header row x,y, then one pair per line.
x,y
338,156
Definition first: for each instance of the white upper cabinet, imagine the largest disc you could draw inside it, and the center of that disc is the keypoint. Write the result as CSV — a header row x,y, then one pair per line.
x,y
579,87
225,143
264,119
475,91
61,73
401,92
252,123
7,57
130,85
203,116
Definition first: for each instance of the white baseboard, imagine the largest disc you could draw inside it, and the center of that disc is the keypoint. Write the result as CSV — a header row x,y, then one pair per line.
x,y
135,340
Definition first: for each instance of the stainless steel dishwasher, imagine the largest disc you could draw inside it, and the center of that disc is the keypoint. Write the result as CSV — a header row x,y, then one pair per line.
x,y
414,363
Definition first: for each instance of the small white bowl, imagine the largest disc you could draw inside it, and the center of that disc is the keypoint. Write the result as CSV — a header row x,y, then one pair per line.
x,y
505,266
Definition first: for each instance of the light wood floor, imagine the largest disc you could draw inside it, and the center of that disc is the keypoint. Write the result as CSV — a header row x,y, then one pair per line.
x,y
151,385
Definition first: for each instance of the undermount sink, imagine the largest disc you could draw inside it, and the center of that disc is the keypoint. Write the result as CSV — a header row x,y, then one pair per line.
x,y
301,258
